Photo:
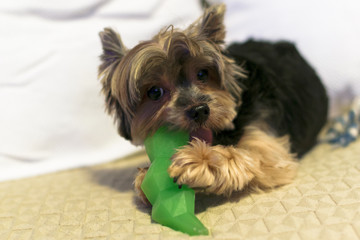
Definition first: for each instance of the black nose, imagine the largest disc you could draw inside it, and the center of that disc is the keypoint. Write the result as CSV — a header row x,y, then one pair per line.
x,y
199,113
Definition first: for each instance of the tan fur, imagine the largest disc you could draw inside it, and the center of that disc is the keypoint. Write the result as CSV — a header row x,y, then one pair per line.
x,y
137,184
258,161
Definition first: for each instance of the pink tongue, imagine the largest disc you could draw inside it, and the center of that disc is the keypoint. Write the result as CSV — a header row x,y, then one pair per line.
x,y
202,134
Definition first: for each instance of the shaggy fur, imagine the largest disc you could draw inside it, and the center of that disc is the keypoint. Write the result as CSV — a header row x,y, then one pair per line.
x,y
250,109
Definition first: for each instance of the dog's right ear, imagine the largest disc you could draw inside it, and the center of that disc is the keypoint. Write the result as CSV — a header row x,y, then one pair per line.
x,y
113,51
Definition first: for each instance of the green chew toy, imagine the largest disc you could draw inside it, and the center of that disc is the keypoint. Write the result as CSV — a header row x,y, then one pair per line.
x,y
171,206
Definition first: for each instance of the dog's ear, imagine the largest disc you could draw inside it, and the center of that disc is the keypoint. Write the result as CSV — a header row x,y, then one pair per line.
x,y
211,24
113,51
113,48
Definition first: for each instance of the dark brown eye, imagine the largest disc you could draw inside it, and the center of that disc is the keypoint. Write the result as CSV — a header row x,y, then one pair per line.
x,y
203,75
155,93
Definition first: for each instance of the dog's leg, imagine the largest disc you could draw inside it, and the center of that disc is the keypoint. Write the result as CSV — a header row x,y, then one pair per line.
x,y
137,184
258,161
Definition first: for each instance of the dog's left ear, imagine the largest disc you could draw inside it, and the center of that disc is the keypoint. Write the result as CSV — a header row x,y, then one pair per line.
x,y
211,24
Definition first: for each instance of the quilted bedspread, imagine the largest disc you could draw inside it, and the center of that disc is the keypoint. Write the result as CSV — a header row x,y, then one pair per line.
x,y
99,203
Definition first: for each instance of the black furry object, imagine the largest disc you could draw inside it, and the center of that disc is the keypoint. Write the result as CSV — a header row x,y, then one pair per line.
x,y
282,90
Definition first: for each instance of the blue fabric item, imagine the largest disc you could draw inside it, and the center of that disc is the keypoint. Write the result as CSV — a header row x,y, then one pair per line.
x,y
345,129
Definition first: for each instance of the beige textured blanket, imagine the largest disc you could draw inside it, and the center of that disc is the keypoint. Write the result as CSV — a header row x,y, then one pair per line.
x,y
99,203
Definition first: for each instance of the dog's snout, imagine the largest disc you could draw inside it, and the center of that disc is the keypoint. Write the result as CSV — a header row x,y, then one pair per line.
x,y
199,113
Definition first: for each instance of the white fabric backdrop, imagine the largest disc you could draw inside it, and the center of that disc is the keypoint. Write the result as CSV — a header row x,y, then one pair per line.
x,y
51,111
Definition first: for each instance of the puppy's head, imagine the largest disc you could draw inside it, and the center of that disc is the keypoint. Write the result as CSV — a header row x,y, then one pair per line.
x,y
178,78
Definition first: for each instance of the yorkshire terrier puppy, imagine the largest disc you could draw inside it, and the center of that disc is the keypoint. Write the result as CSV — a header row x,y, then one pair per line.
x,y
251,109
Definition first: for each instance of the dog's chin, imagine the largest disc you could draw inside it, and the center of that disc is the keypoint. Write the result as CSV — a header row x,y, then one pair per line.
x,y
203,134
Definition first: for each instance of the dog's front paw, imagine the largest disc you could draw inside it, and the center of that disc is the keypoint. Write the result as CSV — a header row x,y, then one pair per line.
x,y
195,165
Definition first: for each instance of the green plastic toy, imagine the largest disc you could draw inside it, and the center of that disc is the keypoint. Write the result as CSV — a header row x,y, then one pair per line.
x,y
171,206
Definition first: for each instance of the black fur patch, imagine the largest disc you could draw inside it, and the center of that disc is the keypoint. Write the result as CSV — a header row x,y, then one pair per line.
x,y
282,90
